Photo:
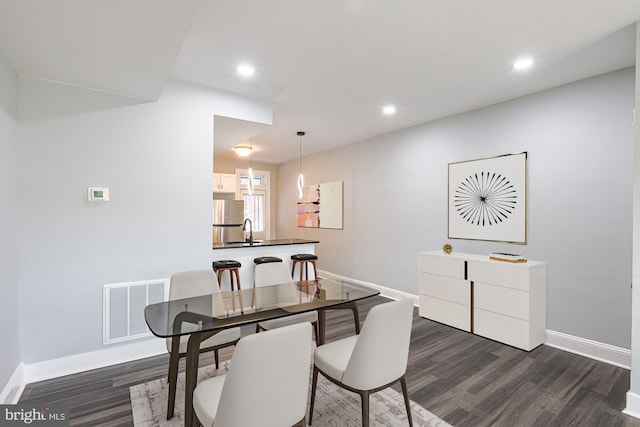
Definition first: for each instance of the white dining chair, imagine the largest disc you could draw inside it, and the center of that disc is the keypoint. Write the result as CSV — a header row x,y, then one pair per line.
x,y
276,273
267,383
187,284
371,361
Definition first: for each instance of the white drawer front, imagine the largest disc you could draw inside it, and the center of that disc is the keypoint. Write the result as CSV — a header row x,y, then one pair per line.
x,y
500,273
442,265
501,328
447,312
447,288
511,302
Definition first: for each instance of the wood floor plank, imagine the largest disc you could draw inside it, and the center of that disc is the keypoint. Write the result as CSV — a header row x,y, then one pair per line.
x,y
465,379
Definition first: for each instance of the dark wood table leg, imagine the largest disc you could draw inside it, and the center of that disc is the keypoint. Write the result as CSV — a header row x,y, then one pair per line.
x,y
322,317
191,373
191,376
174,359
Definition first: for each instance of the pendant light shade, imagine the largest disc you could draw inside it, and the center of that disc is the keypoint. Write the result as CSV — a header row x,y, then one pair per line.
x,y
250,185
300,176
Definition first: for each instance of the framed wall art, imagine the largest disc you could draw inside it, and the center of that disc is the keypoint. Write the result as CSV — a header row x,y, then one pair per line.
x,y
321,206
488,199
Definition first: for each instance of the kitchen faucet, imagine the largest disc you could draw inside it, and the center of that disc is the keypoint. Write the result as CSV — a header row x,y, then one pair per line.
x,y
244,228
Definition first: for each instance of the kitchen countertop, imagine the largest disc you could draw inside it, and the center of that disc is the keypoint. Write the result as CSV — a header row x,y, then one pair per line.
x,y
262,243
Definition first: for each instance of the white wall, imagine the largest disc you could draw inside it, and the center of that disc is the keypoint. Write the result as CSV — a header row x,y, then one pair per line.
x,y
9,220
580,143
155,158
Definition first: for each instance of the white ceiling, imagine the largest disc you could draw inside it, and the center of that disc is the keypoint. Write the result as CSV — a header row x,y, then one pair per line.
x,y
327,66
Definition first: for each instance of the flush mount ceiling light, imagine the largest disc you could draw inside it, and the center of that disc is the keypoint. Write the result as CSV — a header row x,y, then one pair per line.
x,y
245,70
243,150
523,63
389,110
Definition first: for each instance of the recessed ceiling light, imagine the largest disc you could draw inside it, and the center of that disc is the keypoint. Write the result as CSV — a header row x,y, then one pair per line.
x,y
245,70
389,110
523,63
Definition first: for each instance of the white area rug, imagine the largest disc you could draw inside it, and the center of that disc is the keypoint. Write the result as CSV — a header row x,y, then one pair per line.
x,y
334,406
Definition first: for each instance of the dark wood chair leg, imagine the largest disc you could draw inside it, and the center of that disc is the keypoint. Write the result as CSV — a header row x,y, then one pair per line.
x,y
215,355
364,396
407,404
314,382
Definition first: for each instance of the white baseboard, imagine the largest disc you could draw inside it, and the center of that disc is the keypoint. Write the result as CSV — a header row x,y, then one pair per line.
x,y
108,356
384,291
607,353
112,355
633,405
14,387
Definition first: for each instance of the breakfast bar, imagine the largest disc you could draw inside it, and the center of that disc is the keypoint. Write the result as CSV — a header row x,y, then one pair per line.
x,y
246,252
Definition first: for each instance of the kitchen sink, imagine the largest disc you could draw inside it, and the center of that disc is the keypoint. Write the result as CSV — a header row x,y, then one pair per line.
x,y
243,242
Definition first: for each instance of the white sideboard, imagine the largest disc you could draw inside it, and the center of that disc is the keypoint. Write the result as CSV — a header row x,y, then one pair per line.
x,y
500,300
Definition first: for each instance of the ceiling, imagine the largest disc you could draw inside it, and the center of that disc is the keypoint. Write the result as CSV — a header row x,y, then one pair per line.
x,y
329,66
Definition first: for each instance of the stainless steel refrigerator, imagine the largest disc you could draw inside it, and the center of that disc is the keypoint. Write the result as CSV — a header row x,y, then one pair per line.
x,y
228,216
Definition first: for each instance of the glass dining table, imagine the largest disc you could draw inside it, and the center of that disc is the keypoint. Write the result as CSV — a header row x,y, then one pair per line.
x,y
203,316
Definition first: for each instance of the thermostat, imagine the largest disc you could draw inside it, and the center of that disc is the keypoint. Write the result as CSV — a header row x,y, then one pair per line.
x,y
98,194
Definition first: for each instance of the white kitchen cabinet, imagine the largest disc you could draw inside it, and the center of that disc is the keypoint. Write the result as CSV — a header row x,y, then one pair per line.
x,y
506,301
224,183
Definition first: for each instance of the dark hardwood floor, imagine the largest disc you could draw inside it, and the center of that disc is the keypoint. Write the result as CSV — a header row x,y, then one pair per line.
x,y
462,378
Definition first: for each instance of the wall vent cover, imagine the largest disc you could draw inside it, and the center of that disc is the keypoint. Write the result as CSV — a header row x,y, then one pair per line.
x,y
123,308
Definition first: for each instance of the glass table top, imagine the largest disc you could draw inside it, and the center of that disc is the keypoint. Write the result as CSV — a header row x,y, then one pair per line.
x,y
235,308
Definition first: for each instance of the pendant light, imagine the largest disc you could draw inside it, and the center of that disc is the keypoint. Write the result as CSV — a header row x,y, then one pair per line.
x,y
250,169
300,176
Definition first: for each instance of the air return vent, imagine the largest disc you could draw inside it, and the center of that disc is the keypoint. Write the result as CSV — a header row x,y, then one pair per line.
x,y
123,311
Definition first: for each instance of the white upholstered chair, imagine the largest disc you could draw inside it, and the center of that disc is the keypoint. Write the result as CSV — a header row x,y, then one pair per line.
x,y
187,284
371,361
275,273
267,384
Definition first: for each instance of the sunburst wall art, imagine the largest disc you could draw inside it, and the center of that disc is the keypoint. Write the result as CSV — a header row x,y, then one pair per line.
x,y
488,199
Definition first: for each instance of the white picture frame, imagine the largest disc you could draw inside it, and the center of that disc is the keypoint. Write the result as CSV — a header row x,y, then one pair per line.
x,y
487,199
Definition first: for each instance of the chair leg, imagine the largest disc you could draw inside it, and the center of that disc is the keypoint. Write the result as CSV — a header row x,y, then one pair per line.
x,y
407,404
314,382
215,354
364,396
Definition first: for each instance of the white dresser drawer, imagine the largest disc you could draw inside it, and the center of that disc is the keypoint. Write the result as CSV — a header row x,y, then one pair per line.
x,y
507,301
447,312
510,275
442,265
505,329
447,288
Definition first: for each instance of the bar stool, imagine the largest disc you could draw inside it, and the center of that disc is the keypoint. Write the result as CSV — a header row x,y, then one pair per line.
x,y
233,267
304,260
266,259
